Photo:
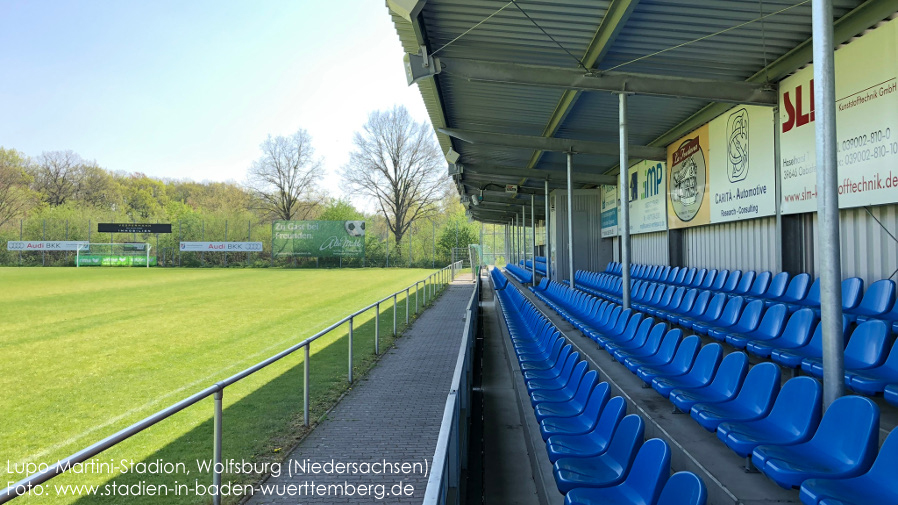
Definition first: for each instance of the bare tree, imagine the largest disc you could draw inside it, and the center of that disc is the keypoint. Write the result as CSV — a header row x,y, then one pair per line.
x,y
283,179
57,176
15,195
397,163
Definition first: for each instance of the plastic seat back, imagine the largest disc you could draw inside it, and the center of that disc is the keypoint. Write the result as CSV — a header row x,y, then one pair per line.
x,y
879,298
684,488
777,286
732,281
760,285
689,277
857,445
699,278
772,323
868,345
672,275
687,301
597,401
686,355
700,304
706,363
716,306
750,317
798,328
731,312
681,276
656,337
669,346
797,289
611,416
585,387
675,299
710,277
650,470
852,288
760,388
798,407
720,280
627,440
730,374
745,283
885,468
662,275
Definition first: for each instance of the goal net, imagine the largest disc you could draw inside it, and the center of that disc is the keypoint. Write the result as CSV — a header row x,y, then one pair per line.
x,y
128,254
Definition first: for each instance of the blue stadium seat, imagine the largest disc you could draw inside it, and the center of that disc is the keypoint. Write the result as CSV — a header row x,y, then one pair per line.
x,y
700,375
564,393
699,306
748,321
685,305
583,422
593,443
626,335
754,400
732,281
560,363
699,278
793,419
792,358
796,291
679,364
759,286
665,353
563,374
834,452
874,380
709,279
720,280
748,278
797,333
769,327
648,475
608,468
727,317
715,307
651,346
775,288
725,385
891,394
683,488
589,387
866,349
638,340
877,301
876,486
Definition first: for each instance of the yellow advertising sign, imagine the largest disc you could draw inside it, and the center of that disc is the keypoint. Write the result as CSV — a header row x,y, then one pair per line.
x,y
687,180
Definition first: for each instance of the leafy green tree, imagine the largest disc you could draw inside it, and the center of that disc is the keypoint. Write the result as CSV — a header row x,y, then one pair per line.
x,y
457,232
340,210
16,197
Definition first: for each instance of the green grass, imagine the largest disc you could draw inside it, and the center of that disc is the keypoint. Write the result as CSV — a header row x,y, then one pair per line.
x,y
87,352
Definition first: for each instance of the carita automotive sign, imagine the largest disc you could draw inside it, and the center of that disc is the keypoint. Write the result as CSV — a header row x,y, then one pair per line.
x,y
221,246
45,245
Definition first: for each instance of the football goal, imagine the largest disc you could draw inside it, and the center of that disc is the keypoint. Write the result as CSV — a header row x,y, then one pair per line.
x,y
128,254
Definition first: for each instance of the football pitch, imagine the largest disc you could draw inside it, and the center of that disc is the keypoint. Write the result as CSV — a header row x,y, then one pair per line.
x,y
87,352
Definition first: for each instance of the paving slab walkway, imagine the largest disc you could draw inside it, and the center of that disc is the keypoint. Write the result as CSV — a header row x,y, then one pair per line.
x,y
385,429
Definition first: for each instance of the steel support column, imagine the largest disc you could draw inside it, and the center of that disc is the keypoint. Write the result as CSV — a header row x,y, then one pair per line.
x,y
533,239
548,247
624,222
570,220
828,203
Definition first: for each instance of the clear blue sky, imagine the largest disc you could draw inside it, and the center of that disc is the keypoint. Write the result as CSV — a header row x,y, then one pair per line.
x,y
188,89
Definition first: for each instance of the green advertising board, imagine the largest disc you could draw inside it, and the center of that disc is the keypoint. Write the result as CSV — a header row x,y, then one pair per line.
x,y
318,239
114,260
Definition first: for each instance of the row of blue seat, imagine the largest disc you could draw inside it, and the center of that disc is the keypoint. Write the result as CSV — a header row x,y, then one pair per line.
x,y
768,331
540,265
877,302
598,453
519,273
780,429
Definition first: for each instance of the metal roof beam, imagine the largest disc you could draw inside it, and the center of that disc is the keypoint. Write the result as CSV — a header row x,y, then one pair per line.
x,y
553,144
550,175
640,84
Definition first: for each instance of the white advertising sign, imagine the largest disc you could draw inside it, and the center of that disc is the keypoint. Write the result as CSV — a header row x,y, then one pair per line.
x,y
741,174
647,190
609,211
866,126
44,245
221,246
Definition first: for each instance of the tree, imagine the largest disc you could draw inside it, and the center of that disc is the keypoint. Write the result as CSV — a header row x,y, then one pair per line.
x,y
458,232
396,163
283,179
15,195
340,210
57,176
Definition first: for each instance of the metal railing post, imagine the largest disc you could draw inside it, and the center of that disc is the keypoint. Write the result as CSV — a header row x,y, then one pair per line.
x,y
394,315
216,450
407,300
377,329
305,387
416,297
350,350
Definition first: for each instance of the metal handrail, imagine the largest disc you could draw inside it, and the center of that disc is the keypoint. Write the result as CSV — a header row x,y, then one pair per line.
x,y
450,455
444,276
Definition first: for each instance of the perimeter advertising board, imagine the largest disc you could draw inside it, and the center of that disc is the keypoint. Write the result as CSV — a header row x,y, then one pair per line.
x,y
221,246
687,180
45,245
610,200
318,239
647,193
866,126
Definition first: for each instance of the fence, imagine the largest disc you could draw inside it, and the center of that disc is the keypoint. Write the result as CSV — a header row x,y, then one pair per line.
x,y
431,285
451,455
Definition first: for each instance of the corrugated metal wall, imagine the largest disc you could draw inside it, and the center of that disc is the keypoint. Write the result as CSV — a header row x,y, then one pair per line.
x,y
650,248
744,245
868,251
590,251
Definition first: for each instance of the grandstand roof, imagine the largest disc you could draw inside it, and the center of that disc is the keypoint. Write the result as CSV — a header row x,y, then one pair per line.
x,y
517,75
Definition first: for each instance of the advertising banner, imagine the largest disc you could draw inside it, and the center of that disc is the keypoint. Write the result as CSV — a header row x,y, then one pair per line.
x,y
647,195
318,239
45,245
742,175
687,181
221,246
609,211
866,126
114,260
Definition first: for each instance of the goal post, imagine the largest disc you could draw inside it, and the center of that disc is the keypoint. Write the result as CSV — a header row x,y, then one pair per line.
x,y
127,254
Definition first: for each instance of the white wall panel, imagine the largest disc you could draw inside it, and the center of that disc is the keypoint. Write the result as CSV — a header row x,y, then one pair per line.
x,y
743,245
